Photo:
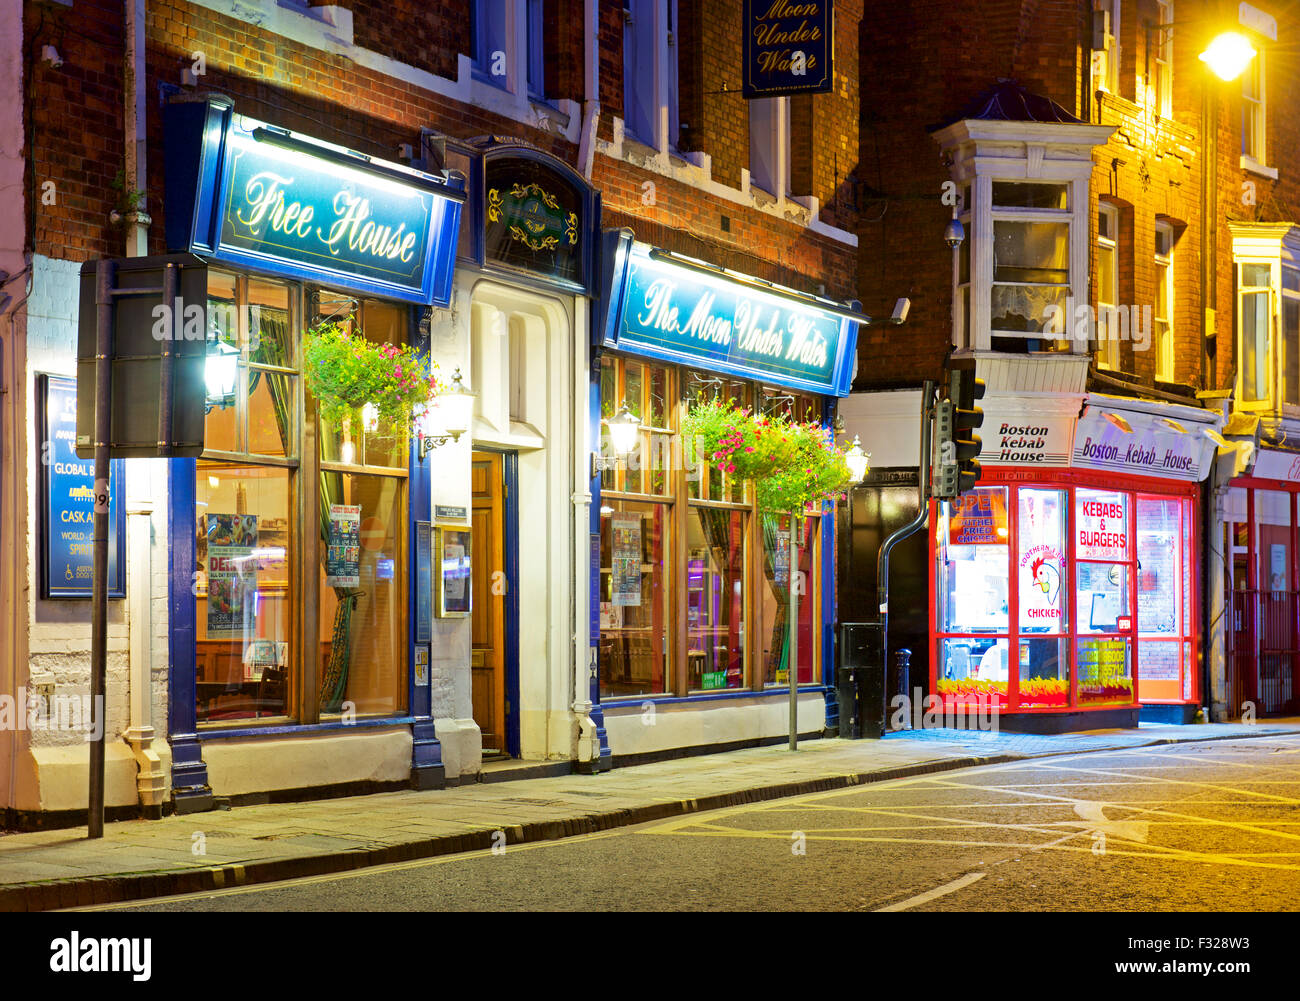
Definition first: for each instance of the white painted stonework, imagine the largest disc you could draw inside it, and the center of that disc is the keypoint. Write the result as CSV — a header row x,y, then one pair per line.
x,y
258,764
650,727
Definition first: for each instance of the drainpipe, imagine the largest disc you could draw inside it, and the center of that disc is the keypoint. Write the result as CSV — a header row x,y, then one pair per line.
x,y
151,779
591,88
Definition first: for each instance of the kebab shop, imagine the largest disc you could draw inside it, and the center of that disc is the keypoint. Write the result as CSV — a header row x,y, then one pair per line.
x,y
1066,589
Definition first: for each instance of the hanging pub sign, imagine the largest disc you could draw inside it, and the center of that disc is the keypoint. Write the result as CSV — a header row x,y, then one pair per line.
x,y
534,219
272,200
687,313
789,47
68,501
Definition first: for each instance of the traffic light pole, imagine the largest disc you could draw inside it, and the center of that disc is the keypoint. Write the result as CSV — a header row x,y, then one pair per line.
x,y
922,517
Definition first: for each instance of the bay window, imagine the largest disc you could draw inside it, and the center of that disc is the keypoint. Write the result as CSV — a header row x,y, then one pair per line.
x,y
1268,314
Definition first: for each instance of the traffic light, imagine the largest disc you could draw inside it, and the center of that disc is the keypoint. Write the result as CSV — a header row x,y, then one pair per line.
x,y
963,392
943,479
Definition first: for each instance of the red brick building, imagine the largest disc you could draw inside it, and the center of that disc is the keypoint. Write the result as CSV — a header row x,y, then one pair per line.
x,y
1110,189
606,115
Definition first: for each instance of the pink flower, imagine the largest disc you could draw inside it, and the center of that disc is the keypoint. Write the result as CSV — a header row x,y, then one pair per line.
x,y
731,469
749,448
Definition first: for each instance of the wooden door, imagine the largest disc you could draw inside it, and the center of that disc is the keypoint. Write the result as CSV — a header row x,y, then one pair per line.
x,y
487,656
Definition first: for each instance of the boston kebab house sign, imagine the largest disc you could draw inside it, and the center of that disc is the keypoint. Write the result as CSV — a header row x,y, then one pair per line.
x,y
1144,450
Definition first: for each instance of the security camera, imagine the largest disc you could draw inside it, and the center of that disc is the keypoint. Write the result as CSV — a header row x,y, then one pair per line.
x,y
954,233
901,308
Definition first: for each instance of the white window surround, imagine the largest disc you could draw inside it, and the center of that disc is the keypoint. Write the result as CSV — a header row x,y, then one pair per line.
x,y
1164,343
694,170
1108,353
1271,245
983,151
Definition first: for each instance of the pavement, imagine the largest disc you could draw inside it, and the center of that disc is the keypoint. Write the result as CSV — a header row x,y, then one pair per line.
x,y
142,859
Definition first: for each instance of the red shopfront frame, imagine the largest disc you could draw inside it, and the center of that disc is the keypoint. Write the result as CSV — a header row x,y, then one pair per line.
x,y
1069,480
1264,621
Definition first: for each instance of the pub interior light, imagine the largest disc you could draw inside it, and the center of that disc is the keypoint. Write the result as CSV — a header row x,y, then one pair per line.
x,y
624,427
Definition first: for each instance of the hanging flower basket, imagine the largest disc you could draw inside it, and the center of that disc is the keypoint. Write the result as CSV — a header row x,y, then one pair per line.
x,y
794,465
347,374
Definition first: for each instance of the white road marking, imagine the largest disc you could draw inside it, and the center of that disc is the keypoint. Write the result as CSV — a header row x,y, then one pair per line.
x,y
937,892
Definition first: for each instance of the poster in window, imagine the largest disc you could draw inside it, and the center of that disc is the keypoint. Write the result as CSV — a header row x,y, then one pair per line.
x,y
453,576
781,560
978,518
343,553
626,530
232,574
1277,567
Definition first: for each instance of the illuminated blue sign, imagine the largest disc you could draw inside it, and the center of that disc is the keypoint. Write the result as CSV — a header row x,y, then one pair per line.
x,y
68,503
664,308
275,201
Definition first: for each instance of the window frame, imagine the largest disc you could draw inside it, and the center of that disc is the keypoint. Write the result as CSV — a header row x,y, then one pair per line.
x,y
654,71
1165,361
1108,347
680,499
773,124
1164,59
1254,109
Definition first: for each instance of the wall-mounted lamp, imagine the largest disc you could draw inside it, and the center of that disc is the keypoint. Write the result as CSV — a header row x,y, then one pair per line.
x,y
220,372
624,427
858,461
456,407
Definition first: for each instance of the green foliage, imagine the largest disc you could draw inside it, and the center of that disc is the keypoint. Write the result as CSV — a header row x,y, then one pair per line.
x,y
346,371
793,464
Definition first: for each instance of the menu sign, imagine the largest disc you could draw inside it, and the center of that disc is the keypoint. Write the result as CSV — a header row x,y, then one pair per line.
x,y
789,47
68,502
1101,527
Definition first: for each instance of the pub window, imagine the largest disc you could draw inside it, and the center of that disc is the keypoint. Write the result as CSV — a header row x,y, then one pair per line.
x,y
245,482
362,649
1108,337
650,113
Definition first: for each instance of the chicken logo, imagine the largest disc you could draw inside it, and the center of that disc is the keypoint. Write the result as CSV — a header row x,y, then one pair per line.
x,y
1047,578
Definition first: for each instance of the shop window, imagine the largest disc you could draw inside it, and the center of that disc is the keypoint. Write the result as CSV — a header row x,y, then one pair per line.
x,y
716,557
973,551
1162,320
1042,597
1163,598
243,484
635,637
244,613
637,563
774,603
362,586
1103,596
705,481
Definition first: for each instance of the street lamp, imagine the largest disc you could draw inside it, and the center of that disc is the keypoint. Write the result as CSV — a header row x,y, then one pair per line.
x,y
1228,55
220,372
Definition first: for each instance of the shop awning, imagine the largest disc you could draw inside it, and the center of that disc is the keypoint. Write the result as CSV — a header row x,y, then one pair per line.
x,y
1145,438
